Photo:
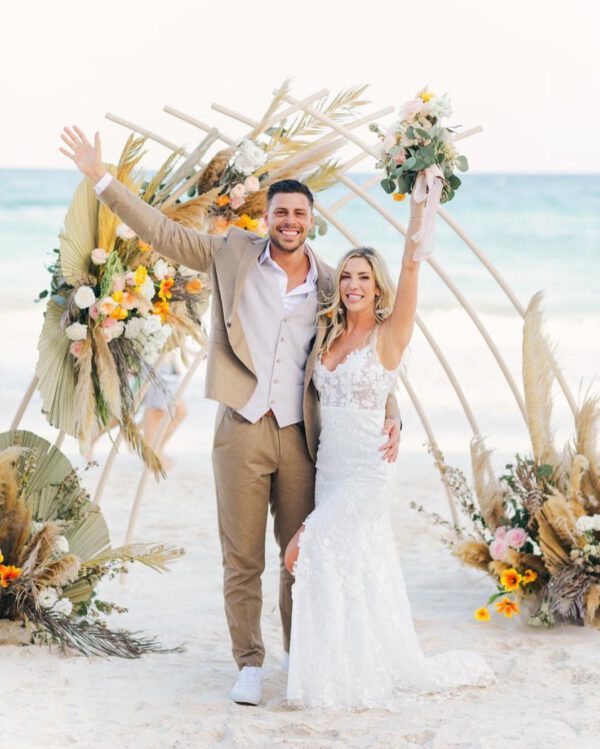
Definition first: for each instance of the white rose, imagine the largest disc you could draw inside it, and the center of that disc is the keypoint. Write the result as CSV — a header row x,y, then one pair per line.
x,y
161,269
585,523
147,289
133,328
238,191
152,324
249,157
47,597
440,106
124,232
84,297
61,545
99,256
63,606
76,332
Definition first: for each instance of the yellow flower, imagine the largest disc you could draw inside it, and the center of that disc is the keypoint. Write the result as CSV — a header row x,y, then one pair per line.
x,y
117,296
161,308
399,196
119,313
426,96
482,614
164,292
143,247
245,222
510,579
529,577
1,558
507,607
140,275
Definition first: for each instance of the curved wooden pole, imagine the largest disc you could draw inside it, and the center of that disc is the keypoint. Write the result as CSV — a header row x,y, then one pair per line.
x,y
24,403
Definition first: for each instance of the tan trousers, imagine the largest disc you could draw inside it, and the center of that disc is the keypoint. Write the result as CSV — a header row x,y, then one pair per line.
x,y
257,466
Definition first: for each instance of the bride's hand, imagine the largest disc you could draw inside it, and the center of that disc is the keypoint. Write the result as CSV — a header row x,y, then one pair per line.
x,y
87,157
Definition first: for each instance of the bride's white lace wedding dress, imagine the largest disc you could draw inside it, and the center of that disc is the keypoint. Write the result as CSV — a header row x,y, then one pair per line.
x,y
353,642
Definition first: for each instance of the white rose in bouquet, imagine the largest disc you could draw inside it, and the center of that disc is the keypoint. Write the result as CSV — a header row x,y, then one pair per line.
x,y
47,597
61,545
63,606
99,256
249,157
84,297
76,332
162,269
124,232
134,327
147,289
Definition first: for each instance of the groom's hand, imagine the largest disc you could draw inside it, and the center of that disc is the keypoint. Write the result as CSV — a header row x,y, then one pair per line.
x,y
87,157
391,427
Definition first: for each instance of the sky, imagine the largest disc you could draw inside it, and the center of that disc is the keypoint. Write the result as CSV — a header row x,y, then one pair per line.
x,y
525,71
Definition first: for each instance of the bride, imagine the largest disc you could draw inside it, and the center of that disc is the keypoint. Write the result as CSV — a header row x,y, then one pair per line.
x,y
353,644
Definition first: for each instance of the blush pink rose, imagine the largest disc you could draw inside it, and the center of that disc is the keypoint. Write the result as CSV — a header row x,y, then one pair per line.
x,y
237,191
498,549
94,312
501,531
516,537
389,141
252,184
400,157
76,348
237,203
108,322
130,278
118,283
99,256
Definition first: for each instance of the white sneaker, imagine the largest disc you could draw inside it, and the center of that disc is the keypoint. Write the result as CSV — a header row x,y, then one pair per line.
x,y
285,661
247,690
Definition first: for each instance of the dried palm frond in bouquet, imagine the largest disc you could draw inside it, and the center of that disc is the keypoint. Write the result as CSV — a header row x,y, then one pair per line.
x,y
114,306
55,549
237,178
536,528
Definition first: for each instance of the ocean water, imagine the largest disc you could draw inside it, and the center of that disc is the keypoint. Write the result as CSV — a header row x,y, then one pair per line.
x,y
542,233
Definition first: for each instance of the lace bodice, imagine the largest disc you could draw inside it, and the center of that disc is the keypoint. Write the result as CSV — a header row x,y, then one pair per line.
x,y
359,381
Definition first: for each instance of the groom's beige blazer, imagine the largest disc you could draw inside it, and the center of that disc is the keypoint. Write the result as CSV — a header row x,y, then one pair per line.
x,y
230,375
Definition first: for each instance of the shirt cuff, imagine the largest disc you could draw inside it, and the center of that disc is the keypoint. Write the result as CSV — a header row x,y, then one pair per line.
x,y
103,183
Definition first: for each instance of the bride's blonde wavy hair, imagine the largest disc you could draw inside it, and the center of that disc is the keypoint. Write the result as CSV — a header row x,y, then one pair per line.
x,y
333,313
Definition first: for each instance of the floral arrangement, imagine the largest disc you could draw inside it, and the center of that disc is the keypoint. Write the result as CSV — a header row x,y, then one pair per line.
x,y
55,549
418,143
115,305
419,158
536,528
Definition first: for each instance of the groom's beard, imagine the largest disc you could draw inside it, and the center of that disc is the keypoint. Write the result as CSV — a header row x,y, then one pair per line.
x,y
290,248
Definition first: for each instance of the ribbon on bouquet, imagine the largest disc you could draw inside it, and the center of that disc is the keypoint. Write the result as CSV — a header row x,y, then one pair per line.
x,y
428,186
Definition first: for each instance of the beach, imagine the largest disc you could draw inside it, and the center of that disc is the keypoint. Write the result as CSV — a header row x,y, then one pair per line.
x,y
546,694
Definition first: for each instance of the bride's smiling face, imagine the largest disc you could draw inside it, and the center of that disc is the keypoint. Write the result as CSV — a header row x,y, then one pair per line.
x,y
357,285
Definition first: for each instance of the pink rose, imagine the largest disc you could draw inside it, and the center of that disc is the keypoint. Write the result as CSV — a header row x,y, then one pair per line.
x,y
94,312
389,141
130,278
498,549
252,184
76,348
118,283
99,256
399,158
106,305
237,203
108,322
501,531
237,191
516,537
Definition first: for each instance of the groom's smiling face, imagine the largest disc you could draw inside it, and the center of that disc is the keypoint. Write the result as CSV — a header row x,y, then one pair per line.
x,y
289,218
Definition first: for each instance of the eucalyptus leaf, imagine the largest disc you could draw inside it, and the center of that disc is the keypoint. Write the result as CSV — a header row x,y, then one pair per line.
x,y
388,185
461,163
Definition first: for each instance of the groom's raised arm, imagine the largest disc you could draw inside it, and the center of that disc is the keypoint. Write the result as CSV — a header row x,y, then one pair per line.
x,y
186,246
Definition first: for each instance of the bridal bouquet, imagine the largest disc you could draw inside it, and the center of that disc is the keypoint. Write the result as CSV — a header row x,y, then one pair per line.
x,y
55,549
536,528
419,157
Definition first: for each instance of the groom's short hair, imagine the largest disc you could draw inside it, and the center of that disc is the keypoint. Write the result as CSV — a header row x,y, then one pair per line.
x,y
289,186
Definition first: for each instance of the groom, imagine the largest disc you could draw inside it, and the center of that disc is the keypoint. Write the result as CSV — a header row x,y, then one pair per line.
x,y
262,349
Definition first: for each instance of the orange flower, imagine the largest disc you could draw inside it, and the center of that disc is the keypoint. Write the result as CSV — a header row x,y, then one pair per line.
x,y
245,222
507,607
164,292
399,196
119,313
529,577
510,579
193,286
7,573
482,614
219,225
222,200
143,247
161,308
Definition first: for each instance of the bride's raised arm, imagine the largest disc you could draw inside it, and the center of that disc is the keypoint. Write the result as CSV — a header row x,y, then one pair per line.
x,y
396,331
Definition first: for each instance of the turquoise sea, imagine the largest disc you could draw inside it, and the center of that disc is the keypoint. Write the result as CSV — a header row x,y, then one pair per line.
x,y
540,231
